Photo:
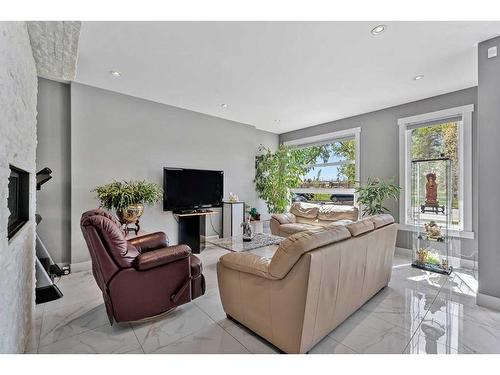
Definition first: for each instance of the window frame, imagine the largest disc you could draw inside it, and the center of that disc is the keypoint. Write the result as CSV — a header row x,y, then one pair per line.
x,y
333,137
406,125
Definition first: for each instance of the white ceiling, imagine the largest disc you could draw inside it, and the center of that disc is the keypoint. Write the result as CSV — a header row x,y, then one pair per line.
x,y
301,73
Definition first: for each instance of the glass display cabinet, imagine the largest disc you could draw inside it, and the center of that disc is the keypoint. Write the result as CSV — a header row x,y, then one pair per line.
x,y
431,203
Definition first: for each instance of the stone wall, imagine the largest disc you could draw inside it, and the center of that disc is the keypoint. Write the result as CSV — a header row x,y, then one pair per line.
x,y
18,93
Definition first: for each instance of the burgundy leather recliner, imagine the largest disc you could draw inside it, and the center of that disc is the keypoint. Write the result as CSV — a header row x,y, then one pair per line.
x,y
140,277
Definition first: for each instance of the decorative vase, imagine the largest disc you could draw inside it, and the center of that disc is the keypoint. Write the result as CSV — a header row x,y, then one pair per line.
x,y
131,215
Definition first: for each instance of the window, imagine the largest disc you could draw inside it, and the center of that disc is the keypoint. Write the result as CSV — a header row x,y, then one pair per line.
x,y
334,167
445,133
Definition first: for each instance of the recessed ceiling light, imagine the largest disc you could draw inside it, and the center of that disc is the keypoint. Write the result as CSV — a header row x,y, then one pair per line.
x,y
379,29
224,105
115,73
419,77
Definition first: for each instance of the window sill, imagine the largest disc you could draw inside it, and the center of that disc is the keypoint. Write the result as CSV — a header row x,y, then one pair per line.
x,y
323,191
453,233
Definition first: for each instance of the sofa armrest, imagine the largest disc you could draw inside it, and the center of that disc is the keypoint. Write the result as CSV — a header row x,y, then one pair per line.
x,y
286,218
248,263
148,242
160,257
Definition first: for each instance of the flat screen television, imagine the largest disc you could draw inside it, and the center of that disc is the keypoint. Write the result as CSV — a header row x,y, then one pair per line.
x,y
187,189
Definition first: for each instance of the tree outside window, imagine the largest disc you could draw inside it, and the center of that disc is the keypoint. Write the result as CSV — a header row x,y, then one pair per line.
x,y
435,141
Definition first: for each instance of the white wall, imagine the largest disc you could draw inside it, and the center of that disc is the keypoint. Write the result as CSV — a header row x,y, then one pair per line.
x,y
115,136
18,91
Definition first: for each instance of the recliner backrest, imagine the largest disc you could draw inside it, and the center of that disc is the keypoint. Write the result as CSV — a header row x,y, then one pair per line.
x,y
111,238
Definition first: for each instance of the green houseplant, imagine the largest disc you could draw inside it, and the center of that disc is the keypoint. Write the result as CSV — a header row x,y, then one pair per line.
x,y
278,172
128,198
373,195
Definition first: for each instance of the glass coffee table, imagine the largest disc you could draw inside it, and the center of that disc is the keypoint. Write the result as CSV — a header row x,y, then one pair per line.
x,y
262,244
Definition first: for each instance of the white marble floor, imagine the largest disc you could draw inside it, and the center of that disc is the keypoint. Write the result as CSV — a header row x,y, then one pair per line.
x,y
419,312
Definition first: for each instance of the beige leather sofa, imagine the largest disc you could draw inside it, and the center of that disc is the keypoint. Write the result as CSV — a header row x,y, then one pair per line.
x,y
314,281
305,216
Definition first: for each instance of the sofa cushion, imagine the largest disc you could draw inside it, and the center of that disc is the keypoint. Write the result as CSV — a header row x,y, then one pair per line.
x,y
296,227
361,226
307,210
284,218
292,248
382,220
248,263
333,212
338,222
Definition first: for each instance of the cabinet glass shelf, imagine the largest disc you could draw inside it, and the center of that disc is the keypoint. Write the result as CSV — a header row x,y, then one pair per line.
x,y
431,203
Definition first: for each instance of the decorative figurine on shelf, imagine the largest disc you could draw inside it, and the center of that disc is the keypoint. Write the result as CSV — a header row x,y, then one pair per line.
x,y
233,197
444,263
433,231
248,232
431,195
422,255
431,190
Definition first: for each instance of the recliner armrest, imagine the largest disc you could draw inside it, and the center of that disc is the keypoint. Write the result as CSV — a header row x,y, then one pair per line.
x,y
148,242
161,257
248,263
286,218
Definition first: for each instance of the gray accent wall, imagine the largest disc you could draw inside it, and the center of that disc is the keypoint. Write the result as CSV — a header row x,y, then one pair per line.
x,y
115,136
489,170
53,151
379,151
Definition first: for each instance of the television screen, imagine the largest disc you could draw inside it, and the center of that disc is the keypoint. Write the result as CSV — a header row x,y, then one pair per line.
x,y
191,188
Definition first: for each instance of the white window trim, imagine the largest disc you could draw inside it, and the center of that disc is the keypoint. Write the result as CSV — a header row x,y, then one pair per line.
x,y
353,132
465,160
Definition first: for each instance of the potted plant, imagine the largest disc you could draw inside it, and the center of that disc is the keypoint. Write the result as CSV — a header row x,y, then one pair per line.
x,y
128,198
373,195
254,214
278,172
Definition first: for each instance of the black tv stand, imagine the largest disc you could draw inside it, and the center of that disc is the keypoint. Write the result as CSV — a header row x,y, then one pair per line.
x,y
184,212
192,227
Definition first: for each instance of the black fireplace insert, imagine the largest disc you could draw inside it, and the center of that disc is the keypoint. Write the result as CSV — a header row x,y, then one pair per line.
x,y
18,201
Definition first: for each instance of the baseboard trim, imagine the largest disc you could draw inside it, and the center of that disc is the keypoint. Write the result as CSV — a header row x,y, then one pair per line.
x,y
210,238
488,301
81,266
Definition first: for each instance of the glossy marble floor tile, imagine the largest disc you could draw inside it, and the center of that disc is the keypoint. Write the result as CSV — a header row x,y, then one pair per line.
x,y
182,322
454,325
330,346
211,305
419,345
404,308
72,320
417,313
76,288
107,339
210,340
253,343
366,333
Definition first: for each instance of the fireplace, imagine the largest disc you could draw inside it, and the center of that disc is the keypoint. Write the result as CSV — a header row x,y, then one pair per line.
x,y
18,201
